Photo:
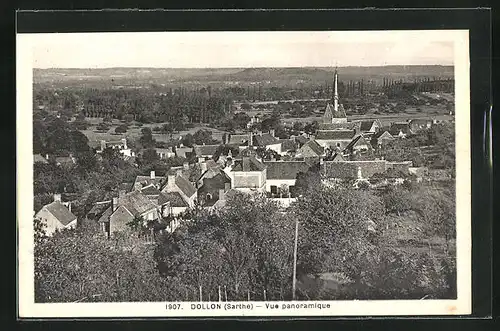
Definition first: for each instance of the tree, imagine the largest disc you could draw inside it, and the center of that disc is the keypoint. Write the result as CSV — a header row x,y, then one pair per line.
x,y
202,137
244,247
121,128
397,200
102,127
188,140
146,139
149,156
335,229
81,265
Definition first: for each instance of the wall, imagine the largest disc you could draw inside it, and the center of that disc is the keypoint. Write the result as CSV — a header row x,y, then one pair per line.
x,y
333,143
249,179
119,220
278,183
51,223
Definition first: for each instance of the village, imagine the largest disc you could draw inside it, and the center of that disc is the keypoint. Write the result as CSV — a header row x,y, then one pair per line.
x,y
190,212
341,150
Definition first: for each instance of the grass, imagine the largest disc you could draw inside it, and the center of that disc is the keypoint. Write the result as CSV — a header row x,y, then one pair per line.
x,y
134,131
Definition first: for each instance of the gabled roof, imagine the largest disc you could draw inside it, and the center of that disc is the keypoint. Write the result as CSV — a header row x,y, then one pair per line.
x,y
337,126
106,214
185,186
285,169
248,164
215,181
238,138
60,212
403,127
315,147
382,134
150,190
287,144
174,198
335,135
359,140
264,140
136,203
327,117
143,181
98,209
201,150
366,125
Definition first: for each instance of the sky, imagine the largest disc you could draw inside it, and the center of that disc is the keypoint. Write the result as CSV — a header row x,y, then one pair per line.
x,y
242,49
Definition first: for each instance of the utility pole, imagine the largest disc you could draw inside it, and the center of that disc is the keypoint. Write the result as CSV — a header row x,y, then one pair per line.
x,y
294,281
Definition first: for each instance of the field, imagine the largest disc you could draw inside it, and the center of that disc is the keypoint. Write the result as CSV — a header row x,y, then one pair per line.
x,y
134,132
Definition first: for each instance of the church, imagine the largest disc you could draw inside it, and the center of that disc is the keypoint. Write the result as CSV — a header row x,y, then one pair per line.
x,y
335,131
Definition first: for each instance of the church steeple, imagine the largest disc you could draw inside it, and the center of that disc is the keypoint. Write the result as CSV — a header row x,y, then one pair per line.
x,y
336,92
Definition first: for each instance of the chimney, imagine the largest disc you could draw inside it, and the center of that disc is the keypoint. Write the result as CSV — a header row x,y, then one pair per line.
x,y
359,173
57,197
153,174
203,167
227,186
250,141
221,194
46,156
69,206
114,204
271,132
185,165
103,145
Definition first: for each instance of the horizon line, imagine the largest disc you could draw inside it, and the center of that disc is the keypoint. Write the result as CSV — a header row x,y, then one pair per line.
x,y
242,67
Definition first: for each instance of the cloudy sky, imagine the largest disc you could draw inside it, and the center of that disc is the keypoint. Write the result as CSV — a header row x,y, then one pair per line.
x,y
242,49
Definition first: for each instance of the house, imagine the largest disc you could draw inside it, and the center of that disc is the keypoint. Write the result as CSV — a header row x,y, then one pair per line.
x,y
381,138
237,139
334,138
212,185
165,153
40,159
266,140
158,198
370,127
98,209
184,152
121,145
176,204
357,145
179,184
247,174
56,216
206,151
282,174
143,181
124,209
420,124
311,149
400,129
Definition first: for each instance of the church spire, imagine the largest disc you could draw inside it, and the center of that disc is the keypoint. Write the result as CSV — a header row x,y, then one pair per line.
x,y
336,92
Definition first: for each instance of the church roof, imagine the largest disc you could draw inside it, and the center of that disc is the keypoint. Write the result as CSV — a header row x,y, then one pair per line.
x,y
335,134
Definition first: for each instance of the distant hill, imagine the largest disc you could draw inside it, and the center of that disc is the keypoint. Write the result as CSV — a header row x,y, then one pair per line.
x,y
273,76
